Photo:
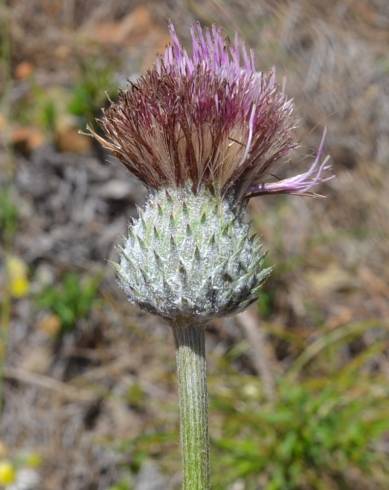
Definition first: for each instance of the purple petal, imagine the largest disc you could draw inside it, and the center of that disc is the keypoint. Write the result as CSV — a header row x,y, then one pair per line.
x,y
206,116
301,184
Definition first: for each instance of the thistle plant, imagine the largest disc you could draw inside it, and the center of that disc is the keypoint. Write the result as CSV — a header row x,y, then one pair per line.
x,y
202,131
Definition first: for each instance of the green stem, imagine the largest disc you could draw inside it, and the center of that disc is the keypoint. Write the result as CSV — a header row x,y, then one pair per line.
x,y
193,397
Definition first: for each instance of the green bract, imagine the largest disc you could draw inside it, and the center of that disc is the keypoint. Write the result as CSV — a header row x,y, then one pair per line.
x,y
190,256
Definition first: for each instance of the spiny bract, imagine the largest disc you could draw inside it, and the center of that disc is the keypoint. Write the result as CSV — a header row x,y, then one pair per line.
x,y
190,256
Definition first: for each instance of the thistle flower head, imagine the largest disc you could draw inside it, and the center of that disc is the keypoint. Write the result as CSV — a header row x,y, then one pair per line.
x,y
208,118
202,130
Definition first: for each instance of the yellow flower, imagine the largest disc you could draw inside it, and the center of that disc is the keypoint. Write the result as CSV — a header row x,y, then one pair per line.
x,y
18,284
7,473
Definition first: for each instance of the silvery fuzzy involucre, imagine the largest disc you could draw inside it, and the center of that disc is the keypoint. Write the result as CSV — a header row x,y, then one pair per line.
x,y
191,255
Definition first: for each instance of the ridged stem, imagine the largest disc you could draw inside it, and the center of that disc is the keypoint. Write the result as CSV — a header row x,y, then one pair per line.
x,y
193,403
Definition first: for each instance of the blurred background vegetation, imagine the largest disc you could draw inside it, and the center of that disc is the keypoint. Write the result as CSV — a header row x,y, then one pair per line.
x,y
299,385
